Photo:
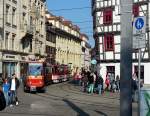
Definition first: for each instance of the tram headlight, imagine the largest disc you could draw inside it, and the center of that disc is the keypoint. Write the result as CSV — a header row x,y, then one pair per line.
x,y
30,83
40,82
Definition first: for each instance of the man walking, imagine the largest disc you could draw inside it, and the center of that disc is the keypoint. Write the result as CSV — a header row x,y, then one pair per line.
x,y
14,85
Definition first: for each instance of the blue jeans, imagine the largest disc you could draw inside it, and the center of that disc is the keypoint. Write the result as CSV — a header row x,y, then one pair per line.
x,y
13,97
91,88
7,98
99,89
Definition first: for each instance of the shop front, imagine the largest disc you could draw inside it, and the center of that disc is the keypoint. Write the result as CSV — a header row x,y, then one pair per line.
x,y
9,65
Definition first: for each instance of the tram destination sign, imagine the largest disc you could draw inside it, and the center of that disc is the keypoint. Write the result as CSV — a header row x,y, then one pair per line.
x,y
139,31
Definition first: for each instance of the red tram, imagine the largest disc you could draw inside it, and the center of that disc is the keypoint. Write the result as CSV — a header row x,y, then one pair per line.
x,y
41,74
34,79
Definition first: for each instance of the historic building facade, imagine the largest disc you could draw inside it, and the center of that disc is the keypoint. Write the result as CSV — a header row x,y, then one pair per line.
x,y
68,41
51,34
22,34
86,52
106,18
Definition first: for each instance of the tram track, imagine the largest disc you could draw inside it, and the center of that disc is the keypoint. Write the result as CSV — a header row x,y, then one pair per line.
x,y
76,90
69,95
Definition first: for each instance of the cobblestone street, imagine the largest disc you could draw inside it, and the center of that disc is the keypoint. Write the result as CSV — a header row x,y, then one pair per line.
x,y
65,99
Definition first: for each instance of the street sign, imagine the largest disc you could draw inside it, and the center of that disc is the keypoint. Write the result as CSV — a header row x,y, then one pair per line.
x,y
139,30
139,41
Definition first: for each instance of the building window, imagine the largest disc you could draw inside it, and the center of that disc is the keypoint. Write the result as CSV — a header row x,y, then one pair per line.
x,y
51,37
48,49
24,22
136,71
109,42
135,10
7,14
41,27
30,50
107,16
13,41
6,40
14,16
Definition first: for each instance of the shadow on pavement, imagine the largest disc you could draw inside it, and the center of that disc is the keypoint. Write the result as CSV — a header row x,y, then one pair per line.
x,y
101,113
76,108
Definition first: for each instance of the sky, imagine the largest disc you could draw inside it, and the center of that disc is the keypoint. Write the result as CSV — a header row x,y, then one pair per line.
x,y
69,10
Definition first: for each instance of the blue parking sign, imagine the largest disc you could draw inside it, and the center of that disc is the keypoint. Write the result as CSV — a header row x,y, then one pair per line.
x,y
139,23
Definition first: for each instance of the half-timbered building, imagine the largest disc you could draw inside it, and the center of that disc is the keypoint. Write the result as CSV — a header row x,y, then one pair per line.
x,y
107,29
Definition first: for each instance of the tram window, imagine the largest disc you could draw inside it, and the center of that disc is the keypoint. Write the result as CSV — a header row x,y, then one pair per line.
x,y
48,70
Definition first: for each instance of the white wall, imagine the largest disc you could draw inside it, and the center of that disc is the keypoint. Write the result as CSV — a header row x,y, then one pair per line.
x,y
103,69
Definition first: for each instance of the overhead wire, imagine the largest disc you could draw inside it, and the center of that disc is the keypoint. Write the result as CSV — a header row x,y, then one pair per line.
x,y
67,9
70,9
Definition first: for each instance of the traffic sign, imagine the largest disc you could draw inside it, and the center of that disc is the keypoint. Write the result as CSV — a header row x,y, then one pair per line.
x,y
139,30
139,41
139,23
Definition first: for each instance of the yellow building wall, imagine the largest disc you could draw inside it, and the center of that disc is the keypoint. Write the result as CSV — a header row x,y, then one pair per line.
x,y
68,51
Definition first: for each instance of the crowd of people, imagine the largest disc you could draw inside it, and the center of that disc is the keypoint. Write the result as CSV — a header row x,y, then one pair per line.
x,y
92,82
9,90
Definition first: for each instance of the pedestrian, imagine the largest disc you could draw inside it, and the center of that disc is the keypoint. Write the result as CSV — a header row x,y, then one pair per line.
x,y
80,79
84,81
112,80
114,86
117,83
92,80
134,88
14,85
107,82
99,82
6,91
2,100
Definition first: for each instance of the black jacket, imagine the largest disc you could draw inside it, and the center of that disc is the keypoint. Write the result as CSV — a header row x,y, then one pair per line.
x,y
2,101
17,83
99,80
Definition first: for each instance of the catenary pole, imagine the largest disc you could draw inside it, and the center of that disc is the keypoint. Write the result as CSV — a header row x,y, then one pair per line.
x,y
126,58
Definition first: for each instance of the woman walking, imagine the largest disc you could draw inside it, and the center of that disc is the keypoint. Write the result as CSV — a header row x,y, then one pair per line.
x,y
6,90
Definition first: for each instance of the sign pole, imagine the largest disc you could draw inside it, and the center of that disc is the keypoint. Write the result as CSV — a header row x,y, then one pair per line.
x,y
126,58
139,80
139,30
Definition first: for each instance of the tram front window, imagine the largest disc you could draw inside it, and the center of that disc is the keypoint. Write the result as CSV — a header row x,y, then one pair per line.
x,y
35,69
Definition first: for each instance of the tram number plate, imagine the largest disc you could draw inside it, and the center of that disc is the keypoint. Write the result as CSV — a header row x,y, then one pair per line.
x,y
33,88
